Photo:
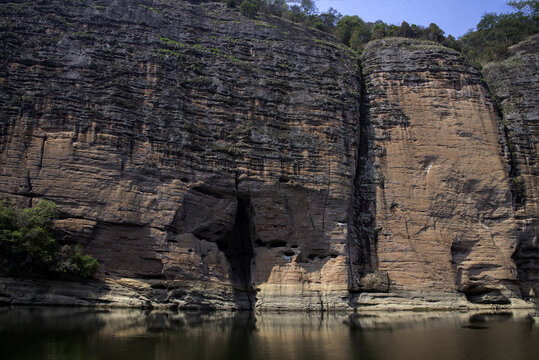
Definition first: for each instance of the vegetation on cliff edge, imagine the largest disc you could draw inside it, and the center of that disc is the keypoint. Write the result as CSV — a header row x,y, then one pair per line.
x,y
27,245
494,34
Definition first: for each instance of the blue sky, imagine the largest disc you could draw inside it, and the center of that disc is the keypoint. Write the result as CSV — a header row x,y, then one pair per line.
x,y
455,17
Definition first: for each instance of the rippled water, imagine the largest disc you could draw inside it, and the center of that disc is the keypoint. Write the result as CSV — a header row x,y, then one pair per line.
x,y
73,333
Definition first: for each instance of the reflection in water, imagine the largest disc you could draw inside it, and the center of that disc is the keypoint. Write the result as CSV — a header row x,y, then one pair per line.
x,y
74,333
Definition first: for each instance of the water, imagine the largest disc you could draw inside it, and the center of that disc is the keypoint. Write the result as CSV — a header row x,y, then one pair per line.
x,y
74,333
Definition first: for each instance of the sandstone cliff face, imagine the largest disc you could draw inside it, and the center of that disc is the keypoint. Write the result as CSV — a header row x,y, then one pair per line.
x,y
202,152
514,83
209,160
444,219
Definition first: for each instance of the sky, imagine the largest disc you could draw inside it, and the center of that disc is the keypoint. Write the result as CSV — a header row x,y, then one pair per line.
x,y
455,17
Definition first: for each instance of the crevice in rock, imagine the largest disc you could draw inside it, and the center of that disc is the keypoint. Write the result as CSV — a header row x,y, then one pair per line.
x,y
526,254
41,152
29,190
289,253
526,257
238,247
276,244
362,231
207,189
516,185
284,179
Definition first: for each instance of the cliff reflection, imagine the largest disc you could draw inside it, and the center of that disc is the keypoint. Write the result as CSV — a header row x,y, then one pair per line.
x,y
56,333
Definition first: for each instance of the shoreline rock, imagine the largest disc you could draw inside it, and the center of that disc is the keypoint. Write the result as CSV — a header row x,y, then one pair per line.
x,y
130,293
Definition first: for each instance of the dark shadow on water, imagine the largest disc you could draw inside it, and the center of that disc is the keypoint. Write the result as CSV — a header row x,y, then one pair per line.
x,y
490,316
474,327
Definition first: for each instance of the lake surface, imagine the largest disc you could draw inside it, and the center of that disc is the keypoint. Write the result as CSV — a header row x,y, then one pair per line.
x,y
74,333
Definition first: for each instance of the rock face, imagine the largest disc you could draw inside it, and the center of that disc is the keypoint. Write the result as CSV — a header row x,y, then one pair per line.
x,y
209,160
514,83
444,218
209,154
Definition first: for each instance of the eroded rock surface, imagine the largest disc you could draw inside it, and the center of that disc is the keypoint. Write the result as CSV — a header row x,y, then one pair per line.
x,y
444,217
205,153
212,161
514,83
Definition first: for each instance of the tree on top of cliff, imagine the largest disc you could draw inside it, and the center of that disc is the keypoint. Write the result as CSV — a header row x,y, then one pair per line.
x,y
434,33
496,32
347,26
527,7
351,30
249,8
405,30
328,20
356,33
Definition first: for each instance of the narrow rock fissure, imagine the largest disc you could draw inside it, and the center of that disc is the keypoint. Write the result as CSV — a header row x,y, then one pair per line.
x,y
517,188
237,245
362,232
525,253
41,152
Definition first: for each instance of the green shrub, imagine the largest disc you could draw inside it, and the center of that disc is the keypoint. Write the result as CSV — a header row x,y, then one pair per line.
x,y
249,9
71,260
7,216
42,215
27,245
86,265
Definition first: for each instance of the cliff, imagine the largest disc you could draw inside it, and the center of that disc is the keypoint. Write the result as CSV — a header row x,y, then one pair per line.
x,y
190,148
444,215
514,83
212,161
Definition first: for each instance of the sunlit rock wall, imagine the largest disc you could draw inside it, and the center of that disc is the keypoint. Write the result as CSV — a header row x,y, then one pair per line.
x,y
444,215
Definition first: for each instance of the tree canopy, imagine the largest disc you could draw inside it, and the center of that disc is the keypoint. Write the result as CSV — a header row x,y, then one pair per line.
x,y
495,33
351,30
27,245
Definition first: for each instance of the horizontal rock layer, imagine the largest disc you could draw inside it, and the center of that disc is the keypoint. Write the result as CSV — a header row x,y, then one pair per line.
x,y
186,143
514,83
444,217
208,160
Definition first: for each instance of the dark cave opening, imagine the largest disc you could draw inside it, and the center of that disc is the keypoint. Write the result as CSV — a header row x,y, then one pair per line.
x,y
479,294
237,245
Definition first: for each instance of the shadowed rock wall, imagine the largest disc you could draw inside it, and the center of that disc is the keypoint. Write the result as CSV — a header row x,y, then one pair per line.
x,y
514,83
